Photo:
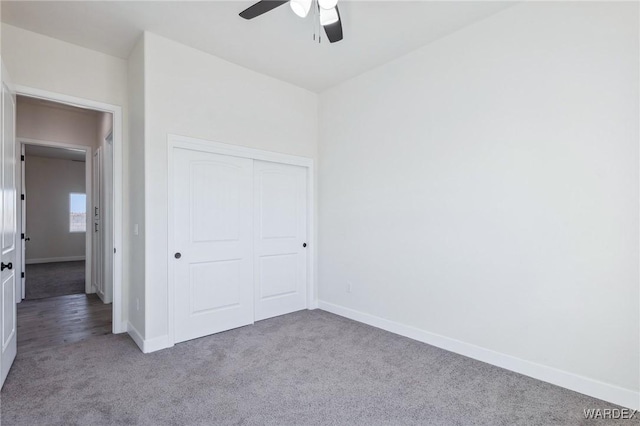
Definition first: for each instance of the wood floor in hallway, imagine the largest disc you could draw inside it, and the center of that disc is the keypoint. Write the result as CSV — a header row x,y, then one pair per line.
x,y
55,321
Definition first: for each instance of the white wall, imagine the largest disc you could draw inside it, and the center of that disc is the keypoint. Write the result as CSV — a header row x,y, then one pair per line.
x,y
45,63
44,122
485,188
49,181
136,291
191,93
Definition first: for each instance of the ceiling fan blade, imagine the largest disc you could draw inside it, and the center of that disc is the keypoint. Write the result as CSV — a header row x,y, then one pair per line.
x,y
261,7
334,31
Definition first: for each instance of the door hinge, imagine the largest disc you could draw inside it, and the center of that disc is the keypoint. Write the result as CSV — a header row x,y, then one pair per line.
x,y
22,158
114,250
22,197
22,275
22,236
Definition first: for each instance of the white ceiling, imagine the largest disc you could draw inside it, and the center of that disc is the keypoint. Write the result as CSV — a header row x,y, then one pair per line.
x,y
278,43
59,153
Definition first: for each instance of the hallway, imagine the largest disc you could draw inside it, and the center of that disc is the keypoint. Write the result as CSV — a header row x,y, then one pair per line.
x,y
54,279
56,321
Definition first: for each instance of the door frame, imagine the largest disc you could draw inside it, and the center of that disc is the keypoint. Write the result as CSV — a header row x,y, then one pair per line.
x,y
22,143
107,225
185,142
118,320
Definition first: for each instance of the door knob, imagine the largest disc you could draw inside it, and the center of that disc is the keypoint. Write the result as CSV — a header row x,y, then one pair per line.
x,y
177,255
4,266
28,239
304,244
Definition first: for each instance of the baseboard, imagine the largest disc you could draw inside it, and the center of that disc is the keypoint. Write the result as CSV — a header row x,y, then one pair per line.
x,y
122,327
156,344
574,382
150,345
135,335
54,259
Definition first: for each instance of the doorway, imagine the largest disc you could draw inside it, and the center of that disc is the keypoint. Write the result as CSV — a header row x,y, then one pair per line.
x,y
65,211
54,221
12,242
114,226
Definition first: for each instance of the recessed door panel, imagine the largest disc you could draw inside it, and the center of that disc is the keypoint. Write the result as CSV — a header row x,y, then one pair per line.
x,y
8,310
280,220
8,175
278,204
278,275
212,242
210,222
215,285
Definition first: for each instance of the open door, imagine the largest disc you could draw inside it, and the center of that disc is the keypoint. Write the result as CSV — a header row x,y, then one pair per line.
x,y
10,285
23,230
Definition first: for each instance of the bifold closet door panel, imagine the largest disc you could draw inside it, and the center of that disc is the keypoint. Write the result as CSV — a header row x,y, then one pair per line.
x,y
280,234
212,240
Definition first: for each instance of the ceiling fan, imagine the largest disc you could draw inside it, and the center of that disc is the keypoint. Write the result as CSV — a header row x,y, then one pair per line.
x,y
327,10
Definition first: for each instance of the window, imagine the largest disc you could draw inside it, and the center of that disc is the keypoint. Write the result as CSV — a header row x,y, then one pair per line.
x,y
77,212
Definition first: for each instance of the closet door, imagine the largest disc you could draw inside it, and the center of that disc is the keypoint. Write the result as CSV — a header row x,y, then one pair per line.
x,y
280,235
211,197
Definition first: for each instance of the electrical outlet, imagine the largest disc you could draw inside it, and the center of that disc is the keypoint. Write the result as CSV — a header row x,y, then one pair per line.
x,y
349,287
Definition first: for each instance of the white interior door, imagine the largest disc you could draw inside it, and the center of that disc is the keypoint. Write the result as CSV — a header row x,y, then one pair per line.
x,y
211,199
23,223
8,249
280,223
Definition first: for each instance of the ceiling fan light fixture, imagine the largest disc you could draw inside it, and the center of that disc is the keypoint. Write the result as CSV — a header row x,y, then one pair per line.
x,y
328,4
328,16
300,7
